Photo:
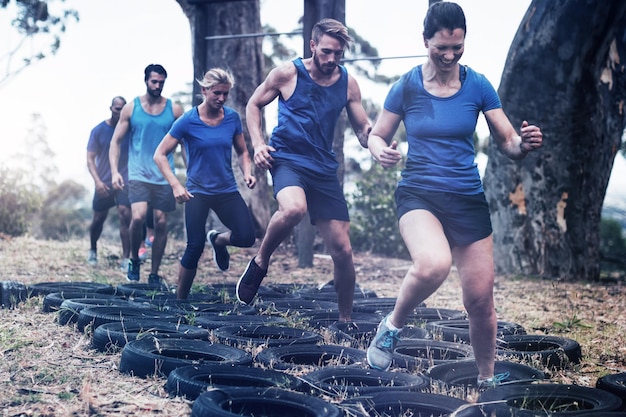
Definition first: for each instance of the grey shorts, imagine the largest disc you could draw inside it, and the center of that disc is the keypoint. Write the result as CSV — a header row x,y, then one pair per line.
x,y
159,196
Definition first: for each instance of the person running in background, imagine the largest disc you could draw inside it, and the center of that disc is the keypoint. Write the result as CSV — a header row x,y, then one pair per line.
x,y
148,118
311,93
208,134
105,196
442,211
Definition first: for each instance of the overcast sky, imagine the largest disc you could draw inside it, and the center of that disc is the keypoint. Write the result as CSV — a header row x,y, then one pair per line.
x,y
105,53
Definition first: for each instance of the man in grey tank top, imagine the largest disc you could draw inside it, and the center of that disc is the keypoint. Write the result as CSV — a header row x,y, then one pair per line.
x,y
312,92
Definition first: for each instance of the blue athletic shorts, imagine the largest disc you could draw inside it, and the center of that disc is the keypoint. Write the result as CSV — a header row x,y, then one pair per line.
x,y
159,196
115,198
324,195
465,218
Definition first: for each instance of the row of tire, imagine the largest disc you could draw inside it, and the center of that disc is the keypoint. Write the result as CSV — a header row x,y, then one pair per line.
x,y
207,342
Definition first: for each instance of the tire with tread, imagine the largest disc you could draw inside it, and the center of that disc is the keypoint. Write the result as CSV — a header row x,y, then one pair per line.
x,y
192,380
300,357
421,354
553,351
458,330
111,337
152,356
96,316
270,336
266,402
465,373
556,400
347,380
403,403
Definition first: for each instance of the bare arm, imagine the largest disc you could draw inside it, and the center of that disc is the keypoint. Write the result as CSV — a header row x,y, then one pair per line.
x,y
278,81
515,146
167,145
116,145
379,142
244,160
356,113
101,188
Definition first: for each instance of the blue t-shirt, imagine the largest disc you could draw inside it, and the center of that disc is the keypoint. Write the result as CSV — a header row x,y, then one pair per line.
x,y
209,151
100,142
147,131
304,135
440,131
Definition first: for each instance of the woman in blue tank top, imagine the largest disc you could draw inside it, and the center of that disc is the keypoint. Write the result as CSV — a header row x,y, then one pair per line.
x,y
442,211
208,133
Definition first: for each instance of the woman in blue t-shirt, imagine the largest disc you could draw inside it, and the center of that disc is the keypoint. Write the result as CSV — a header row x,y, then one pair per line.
x,y
208,133
442,211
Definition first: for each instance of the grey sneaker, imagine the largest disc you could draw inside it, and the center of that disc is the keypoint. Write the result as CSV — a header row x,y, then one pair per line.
x,y
92,257
249,282
494,381
133,270
380,351
124,264
220,253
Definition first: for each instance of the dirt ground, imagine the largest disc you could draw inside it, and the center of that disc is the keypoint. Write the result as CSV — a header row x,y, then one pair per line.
x,y
51,370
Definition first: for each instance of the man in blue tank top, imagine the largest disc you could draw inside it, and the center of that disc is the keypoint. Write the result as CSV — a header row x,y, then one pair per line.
x,y
311,95
105,196
148,118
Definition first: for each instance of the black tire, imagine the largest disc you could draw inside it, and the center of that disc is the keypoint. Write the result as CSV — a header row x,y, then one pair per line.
x,y
44,288
296,305
213,321
111,337
458,330
266,402
194,309
379,305
269,336
168,299
615,383
403,403
464,373
318,320
70,309
140,289
12,293
421,354
357,333
152,356
303,357
423,315
96,316
552,351
52,302
555,400
351,381
191,381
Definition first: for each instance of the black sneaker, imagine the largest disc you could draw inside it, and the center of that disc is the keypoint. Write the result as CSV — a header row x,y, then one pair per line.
x,y
249,282
133,270
220,253
155,279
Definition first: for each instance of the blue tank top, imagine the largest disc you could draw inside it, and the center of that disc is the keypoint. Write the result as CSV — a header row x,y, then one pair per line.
x,y
147,131
304,135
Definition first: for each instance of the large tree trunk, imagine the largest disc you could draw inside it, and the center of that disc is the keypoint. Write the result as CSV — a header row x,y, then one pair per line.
x,y
244,58
564,73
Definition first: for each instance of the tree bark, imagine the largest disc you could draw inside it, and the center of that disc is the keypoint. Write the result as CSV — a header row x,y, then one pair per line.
x,y
565,73
244,58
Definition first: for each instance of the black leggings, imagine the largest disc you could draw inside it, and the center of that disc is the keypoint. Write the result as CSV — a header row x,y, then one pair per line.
x,y
232,211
